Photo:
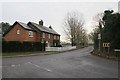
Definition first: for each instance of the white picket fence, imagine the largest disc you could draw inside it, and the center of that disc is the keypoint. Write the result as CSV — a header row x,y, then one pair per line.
x,y
60,48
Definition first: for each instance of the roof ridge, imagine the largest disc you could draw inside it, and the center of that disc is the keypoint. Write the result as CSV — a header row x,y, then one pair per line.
x,y
39,25
21,22
44,28
24,25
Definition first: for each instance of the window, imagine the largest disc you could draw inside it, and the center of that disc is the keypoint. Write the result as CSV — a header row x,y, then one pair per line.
x,y
55,44
18,31
58,37
42,41
49,36
54,36
30,34
43,35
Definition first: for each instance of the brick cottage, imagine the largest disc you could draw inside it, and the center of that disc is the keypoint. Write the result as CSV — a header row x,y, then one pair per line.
x,y
32,32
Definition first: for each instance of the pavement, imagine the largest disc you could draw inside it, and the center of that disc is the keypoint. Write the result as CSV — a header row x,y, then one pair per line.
x,y
26,55
37,54
74,64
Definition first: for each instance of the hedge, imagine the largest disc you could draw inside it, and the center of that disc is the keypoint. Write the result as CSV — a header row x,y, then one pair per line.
x,y
15,46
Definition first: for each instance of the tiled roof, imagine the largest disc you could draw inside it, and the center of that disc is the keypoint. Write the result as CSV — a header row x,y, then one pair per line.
x,y
24,25
44,28
33,28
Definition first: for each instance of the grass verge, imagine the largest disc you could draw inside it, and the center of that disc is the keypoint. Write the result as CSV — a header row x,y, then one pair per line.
x,y
33,53
26,53
106,56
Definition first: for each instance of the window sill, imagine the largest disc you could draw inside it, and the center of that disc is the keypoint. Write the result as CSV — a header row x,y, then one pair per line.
x,y
30,36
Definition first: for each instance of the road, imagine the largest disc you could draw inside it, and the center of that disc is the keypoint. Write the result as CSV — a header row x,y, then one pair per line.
x,y
74,64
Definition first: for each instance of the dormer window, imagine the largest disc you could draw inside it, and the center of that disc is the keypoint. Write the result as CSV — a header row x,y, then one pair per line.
x,y
30,34
18,32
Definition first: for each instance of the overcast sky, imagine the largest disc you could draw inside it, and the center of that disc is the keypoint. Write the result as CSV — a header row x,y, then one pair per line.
x,y
53,13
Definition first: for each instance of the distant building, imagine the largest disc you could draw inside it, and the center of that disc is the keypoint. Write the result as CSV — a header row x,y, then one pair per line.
x,y
119,6
32,32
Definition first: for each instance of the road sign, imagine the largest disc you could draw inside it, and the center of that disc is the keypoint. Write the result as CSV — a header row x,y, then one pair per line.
x,y
99,36
117,50
106,44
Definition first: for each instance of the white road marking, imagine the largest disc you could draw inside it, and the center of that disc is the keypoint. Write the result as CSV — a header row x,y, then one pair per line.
x,y
48,69
36,65
40,67
15,65
32,64
12,65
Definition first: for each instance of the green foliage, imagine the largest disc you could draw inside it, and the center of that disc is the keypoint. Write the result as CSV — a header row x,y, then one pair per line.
x,y
14,46
96,43
110,31
4,27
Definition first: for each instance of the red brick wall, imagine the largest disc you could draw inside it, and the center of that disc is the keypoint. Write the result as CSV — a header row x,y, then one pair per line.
x,y
56,37
38,37
23,36
51,37
47,38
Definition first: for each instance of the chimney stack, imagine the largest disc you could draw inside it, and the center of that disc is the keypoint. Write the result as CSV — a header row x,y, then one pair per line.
x,y
50,27
41,22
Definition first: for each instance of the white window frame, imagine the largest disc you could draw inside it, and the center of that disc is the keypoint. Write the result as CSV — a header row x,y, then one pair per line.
x,y
43,35
54,36
49,36
42,41
58,37
18,31
30,33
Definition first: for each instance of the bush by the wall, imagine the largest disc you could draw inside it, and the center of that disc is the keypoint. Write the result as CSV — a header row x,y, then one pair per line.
x,y
15,46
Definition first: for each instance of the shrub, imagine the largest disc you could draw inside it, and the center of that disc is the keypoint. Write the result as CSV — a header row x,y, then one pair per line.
x,y
15,46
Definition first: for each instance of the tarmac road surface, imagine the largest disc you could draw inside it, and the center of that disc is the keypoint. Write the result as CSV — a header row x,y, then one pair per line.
x,y
74,64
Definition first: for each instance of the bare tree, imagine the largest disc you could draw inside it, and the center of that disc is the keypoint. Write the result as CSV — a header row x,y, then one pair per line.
x,y
74,28
98,18
92,34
